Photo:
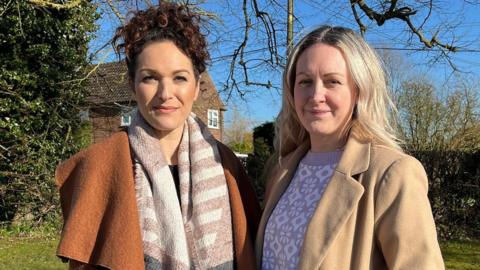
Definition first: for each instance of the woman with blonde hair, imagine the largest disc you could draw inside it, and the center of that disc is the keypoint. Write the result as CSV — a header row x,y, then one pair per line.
x,y
164,194
342,195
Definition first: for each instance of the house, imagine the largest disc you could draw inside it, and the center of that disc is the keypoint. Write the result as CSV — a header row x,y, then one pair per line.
x,y
111,101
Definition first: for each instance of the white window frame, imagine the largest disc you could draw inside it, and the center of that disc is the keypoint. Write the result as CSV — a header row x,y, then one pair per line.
x,y
213,119
125,119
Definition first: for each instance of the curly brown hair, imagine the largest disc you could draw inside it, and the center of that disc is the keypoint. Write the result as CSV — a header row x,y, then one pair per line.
x,y
167,21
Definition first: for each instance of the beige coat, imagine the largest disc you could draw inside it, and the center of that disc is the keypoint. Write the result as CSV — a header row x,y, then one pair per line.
x,y
374,213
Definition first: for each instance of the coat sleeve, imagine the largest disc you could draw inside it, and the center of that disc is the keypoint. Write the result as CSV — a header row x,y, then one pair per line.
x,y
245,209
404,224
247,193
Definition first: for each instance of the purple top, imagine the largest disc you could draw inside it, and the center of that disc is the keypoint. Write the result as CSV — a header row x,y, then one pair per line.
x,y
288,222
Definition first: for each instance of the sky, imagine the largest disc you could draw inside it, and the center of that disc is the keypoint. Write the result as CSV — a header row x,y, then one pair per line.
x,y
455,22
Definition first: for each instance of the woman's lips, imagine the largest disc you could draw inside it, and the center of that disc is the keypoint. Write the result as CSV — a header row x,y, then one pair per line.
x,y
165,109
320,112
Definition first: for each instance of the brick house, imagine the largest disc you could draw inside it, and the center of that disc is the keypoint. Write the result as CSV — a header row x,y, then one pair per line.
x,y
111,101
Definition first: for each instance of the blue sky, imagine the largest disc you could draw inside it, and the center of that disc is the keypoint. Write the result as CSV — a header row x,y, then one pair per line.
x,y
262,104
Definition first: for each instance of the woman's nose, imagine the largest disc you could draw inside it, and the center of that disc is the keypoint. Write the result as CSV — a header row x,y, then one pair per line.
x,y
164,90
319,92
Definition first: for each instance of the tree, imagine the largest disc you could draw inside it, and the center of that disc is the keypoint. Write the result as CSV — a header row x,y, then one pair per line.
x,y
237,134
251,37
43,62
431,123
442,131
428,26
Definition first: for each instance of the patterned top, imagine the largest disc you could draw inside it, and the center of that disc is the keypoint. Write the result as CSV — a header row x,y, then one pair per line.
x,y
288,222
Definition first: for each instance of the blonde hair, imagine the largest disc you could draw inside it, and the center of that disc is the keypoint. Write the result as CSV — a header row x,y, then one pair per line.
x,y
371,117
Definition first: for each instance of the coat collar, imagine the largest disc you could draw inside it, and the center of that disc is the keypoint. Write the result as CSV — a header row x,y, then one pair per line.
x,y
337,203
355,158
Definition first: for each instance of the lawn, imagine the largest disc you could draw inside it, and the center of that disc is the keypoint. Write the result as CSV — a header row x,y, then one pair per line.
x,y
36,252
463,255
24,253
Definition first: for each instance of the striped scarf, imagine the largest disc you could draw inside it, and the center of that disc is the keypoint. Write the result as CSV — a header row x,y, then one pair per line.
x,y
197,232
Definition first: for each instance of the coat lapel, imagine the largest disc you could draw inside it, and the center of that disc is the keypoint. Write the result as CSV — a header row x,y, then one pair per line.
x,y
337,204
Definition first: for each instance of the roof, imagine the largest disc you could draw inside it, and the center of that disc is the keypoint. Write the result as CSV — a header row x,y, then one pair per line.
x,y
109,84
208,93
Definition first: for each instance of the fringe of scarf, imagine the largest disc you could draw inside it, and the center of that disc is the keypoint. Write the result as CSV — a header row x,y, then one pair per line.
x,y
195,233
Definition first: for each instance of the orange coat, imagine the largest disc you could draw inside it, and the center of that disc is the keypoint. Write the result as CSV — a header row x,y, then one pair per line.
x,y
101,222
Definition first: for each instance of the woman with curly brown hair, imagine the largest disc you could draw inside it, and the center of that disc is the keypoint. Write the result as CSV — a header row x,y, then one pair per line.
x,y
163,194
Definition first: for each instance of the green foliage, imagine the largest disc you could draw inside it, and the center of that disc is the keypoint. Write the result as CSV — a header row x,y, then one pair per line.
x,y
267,132
443,132
454,191
242,147
83,136
262,151
237,134
43,58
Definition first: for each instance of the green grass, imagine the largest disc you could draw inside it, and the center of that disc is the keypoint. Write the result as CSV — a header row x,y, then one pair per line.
x,y
38,252
29,252
461,255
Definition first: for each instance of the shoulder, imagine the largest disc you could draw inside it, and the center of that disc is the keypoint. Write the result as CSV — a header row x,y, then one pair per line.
x,y
109,146
396,170
96,157
388,159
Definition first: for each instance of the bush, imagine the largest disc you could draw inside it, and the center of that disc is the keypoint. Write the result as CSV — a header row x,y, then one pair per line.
x,y
454,183
43,58
262,151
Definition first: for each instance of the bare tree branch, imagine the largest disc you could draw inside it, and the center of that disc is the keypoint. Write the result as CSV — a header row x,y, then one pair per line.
x,y
430,9
115,11
362,27
402,13
239,52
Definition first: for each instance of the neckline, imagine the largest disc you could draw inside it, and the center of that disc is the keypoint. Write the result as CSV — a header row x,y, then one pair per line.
x,y
322,158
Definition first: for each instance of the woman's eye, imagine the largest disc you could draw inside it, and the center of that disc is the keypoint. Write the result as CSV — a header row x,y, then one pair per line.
x,y
148,78
180,78
334,82
305,82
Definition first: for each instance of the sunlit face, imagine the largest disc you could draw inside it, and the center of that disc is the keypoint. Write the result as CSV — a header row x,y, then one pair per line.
x,y
165,86
324,95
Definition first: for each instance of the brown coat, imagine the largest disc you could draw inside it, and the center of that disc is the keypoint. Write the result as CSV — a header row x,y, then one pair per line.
x,y
101,222
374,213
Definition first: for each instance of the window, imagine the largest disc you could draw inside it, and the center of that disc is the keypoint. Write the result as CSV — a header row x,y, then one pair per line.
x,y
213,121
125,119
84,115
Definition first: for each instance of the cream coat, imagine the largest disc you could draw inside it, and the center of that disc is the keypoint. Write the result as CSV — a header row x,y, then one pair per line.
x,y
374,213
